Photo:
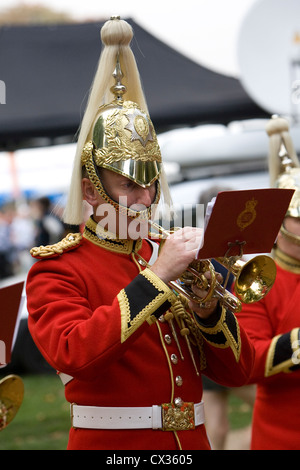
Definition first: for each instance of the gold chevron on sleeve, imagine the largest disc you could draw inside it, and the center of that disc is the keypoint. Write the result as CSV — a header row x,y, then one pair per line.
x,y
225,333
144,299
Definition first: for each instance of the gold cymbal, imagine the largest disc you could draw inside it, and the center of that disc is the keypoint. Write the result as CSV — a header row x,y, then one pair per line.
x,y
11,397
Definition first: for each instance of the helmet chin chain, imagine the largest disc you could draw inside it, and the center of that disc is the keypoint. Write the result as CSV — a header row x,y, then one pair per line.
x,y
291,237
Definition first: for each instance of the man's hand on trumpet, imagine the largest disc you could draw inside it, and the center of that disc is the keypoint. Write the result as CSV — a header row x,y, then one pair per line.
x,y
178,251
206,309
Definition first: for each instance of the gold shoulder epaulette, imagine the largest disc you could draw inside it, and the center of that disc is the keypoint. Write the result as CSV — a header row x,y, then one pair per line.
x,y
71,241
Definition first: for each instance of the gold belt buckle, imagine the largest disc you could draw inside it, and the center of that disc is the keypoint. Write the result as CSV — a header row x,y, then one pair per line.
x,y
178,417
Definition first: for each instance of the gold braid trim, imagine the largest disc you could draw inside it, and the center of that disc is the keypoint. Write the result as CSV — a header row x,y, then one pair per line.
x,y
130,324
287,363
159,284
98,235
188,326
222,327
71,241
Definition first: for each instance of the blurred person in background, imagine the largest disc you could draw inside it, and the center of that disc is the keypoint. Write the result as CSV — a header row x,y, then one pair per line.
x,y
48,227
273,324
7,249
22,235
216,396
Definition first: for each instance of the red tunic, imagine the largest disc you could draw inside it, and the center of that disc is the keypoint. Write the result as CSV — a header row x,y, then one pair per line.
x,y
273,325
91,313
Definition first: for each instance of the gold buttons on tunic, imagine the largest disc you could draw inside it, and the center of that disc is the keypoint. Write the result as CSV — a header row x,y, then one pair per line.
x,y
168,339
178,381
174,359
178,401
142,262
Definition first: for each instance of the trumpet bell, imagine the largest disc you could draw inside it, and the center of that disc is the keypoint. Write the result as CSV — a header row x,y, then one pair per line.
x,y
255,279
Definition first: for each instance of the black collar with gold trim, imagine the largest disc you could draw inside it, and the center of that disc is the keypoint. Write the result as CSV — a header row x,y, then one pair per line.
x,y
96,234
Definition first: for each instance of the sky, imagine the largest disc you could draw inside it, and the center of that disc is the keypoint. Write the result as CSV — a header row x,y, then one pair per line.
x,y
204,30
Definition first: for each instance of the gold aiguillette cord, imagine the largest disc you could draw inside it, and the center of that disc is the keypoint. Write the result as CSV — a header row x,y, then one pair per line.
x,y
185,332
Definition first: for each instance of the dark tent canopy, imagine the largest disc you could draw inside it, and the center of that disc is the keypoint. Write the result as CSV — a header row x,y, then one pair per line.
x,y
47,72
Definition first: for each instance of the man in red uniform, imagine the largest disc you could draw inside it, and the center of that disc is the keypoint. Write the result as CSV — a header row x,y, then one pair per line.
x,y
273,323
130,350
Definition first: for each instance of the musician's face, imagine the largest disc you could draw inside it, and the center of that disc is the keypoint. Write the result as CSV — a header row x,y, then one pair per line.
x,y
291,224
121,190
118,186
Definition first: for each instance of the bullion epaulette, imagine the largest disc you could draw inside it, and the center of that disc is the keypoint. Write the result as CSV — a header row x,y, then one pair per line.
x,y
70,242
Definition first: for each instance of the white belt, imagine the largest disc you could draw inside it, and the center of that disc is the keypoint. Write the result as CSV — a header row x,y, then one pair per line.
x,y
169,418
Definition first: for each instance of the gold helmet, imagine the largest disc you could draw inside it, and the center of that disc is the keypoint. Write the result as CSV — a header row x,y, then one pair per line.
x,y
284,167
116,134
122,140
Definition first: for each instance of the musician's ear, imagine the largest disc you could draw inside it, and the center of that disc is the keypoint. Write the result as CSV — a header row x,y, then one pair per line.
x,y
90,193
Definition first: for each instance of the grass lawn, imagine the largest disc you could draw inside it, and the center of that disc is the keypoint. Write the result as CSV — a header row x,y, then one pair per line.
x,y
42,422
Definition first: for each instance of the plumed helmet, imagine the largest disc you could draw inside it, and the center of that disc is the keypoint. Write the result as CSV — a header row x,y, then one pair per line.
x,y
116,134
284,166
123,139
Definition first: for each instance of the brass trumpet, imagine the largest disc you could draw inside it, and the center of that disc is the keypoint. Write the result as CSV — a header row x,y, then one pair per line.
x,y
254,279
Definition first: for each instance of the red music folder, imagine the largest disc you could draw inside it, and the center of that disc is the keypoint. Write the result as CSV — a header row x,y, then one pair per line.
x,y
11,302
249,219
